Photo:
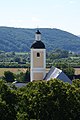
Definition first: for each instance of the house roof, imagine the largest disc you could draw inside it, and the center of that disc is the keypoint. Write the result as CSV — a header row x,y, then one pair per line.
x,y
57,73
20,84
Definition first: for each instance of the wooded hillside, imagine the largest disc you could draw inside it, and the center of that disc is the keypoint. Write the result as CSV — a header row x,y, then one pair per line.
x,y
20,39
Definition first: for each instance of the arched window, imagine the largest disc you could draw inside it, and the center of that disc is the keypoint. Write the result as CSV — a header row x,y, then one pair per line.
x,y
38,54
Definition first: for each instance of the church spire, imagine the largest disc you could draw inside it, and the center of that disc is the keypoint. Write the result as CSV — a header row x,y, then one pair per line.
x,y
38,36
38,58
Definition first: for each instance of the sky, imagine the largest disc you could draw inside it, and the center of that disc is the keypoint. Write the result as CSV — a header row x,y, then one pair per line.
x,y
60,14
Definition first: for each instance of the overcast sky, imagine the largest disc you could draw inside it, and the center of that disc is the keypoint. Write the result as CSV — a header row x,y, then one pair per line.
x,y
61,14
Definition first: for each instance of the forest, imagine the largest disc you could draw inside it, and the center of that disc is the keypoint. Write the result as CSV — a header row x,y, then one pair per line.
x,y
21,39
41,100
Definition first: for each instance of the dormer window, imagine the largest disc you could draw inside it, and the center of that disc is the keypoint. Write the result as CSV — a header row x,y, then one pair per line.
x,y
38,54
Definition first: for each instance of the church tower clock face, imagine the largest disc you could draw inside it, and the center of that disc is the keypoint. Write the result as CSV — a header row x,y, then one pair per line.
x,y
38,58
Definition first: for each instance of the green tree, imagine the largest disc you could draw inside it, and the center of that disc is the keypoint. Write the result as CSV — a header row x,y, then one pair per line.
x,y
8,102
76,83
50,100
9,76
23,77
40,100
69,71
27,76
17,59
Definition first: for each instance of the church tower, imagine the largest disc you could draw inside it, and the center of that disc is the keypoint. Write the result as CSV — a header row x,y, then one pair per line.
x,y
38,59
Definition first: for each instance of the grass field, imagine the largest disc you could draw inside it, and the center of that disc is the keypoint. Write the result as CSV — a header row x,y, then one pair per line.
x,y
18,70
14,70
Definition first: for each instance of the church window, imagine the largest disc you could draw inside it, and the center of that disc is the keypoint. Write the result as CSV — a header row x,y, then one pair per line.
x,y
38,54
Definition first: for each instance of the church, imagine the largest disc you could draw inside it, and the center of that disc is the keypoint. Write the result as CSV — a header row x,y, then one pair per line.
x,y
38,63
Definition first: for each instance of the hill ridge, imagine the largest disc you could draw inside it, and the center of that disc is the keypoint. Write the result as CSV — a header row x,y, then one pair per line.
x,y
20,39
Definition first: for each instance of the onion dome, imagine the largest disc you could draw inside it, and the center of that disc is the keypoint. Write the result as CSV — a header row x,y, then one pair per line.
x,y
38,45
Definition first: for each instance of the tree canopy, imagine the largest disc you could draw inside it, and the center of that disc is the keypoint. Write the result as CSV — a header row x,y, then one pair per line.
x,y
40,100
50,100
